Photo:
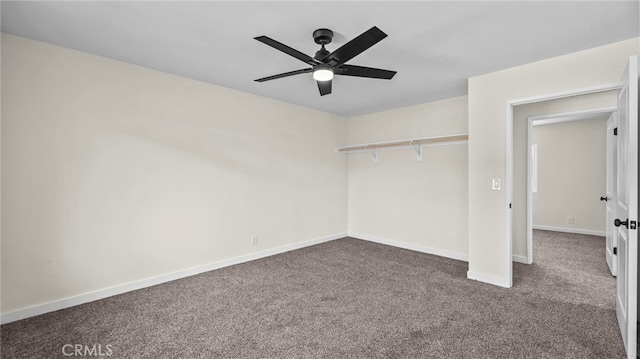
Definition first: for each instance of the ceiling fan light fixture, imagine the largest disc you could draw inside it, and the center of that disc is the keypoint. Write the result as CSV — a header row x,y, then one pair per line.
x,y
322,74
325,64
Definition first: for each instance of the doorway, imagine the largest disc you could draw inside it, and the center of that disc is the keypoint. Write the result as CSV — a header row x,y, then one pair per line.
x,y
568,109
567,174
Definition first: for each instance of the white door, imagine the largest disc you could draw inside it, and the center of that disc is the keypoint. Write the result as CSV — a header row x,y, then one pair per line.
x,y
626,208
610,196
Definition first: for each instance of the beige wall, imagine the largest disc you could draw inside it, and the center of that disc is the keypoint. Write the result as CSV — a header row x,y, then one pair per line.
x,y
114,173
520,119
571,175
489,254
421,205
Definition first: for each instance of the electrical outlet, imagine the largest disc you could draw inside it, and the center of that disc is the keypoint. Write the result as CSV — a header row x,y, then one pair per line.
x,y
570,220
254,240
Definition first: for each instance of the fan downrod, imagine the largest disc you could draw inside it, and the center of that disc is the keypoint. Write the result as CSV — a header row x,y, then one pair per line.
x,y
322,37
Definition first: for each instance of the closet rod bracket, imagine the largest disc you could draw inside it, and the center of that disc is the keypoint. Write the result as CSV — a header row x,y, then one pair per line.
x,y
419,152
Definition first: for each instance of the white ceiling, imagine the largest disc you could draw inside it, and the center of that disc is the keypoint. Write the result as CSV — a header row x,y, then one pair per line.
x,y
434,45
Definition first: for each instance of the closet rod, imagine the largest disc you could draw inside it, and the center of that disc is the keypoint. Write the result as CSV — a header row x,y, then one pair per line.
x,y
417,141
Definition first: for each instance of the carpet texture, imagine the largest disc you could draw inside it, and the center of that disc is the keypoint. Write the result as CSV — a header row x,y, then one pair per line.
x,y
351,299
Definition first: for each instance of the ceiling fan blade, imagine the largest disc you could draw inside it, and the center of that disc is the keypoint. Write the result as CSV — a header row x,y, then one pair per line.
x,y
324,87
361,71
287,50
290,73
354,47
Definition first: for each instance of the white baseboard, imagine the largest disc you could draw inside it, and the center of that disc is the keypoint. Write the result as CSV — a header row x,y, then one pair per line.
x,y
413,247
589,232
488,279
148,282
520,259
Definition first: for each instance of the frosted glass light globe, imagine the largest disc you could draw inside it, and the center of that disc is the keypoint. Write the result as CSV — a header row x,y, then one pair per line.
x,y
322,75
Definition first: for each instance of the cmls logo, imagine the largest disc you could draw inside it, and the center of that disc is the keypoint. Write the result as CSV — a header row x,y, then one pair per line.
x,y
83,350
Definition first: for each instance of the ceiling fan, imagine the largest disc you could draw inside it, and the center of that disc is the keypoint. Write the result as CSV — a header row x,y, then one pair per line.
x,y
325,64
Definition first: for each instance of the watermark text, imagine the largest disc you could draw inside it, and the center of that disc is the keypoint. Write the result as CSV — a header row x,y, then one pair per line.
x,y
84,350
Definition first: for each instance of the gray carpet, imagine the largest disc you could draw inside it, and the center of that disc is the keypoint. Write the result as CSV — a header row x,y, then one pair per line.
x,y
351,299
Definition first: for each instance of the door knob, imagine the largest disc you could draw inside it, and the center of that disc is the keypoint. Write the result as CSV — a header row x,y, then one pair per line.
x,y
604,199
619,223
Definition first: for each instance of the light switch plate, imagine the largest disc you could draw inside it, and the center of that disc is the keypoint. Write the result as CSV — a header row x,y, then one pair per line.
x,y
495,184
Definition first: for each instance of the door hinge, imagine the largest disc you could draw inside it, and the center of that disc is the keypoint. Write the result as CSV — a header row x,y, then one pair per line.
x,y
615,251
615,131
633,225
